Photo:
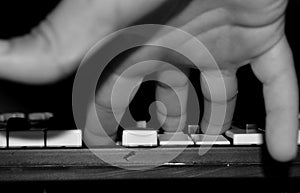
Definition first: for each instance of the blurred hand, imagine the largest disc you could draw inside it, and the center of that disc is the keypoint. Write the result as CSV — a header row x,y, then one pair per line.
x,y
235,32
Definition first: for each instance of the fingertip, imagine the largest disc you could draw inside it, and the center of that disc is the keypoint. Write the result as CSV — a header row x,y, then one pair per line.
x,y
282,135
284,152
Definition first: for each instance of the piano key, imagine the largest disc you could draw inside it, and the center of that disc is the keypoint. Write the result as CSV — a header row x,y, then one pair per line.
x,y
39,116
64,138
170,139
203,139
26,139
141,124
40,120
251,126
136,137
245,137
139,135
3,141
6,116
193,129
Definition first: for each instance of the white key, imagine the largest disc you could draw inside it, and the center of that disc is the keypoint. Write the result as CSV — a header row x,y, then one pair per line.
x,y
26,139
141,124
202,139
175,139
245,137
139,137
3,142
64,138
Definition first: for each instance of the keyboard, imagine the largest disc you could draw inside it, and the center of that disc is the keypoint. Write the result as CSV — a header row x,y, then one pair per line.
x,y
41,153
35,130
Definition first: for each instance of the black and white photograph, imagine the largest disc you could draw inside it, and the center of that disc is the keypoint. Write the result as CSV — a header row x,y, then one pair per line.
x,y
149,95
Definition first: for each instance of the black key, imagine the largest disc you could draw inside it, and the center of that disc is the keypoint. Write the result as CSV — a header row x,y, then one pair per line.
x,y
40,120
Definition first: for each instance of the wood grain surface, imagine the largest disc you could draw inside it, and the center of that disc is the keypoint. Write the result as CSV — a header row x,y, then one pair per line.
x,y
122,163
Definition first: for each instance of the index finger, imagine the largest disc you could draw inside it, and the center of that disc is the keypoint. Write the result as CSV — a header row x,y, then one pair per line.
x,y
275,69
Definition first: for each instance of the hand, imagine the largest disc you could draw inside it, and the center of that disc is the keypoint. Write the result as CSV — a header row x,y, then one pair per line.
x,y
235,32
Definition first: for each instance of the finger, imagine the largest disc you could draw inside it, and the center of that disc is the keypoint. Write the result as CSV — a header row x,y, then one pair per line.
x,y
55,47
112,99
172,92
219,89
275,69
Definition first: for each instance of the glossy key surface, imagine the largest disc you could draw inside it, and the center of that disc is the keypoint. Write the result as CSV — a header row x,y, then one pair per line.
x,y
64,138
175,139
202,139
245,136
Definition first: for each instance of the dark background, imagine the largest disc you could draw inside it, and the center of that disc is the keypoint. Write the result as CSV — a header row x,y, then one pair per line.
x,y
18,17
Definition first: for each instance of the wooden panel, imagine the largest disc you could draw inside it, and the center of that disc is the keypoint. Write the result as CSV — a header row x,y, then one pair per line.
x,y
82,164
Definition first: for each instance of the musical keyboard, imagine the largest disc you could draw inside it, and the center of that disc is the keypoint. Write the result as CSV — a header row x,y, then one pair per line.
x,y
35,131
63,156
